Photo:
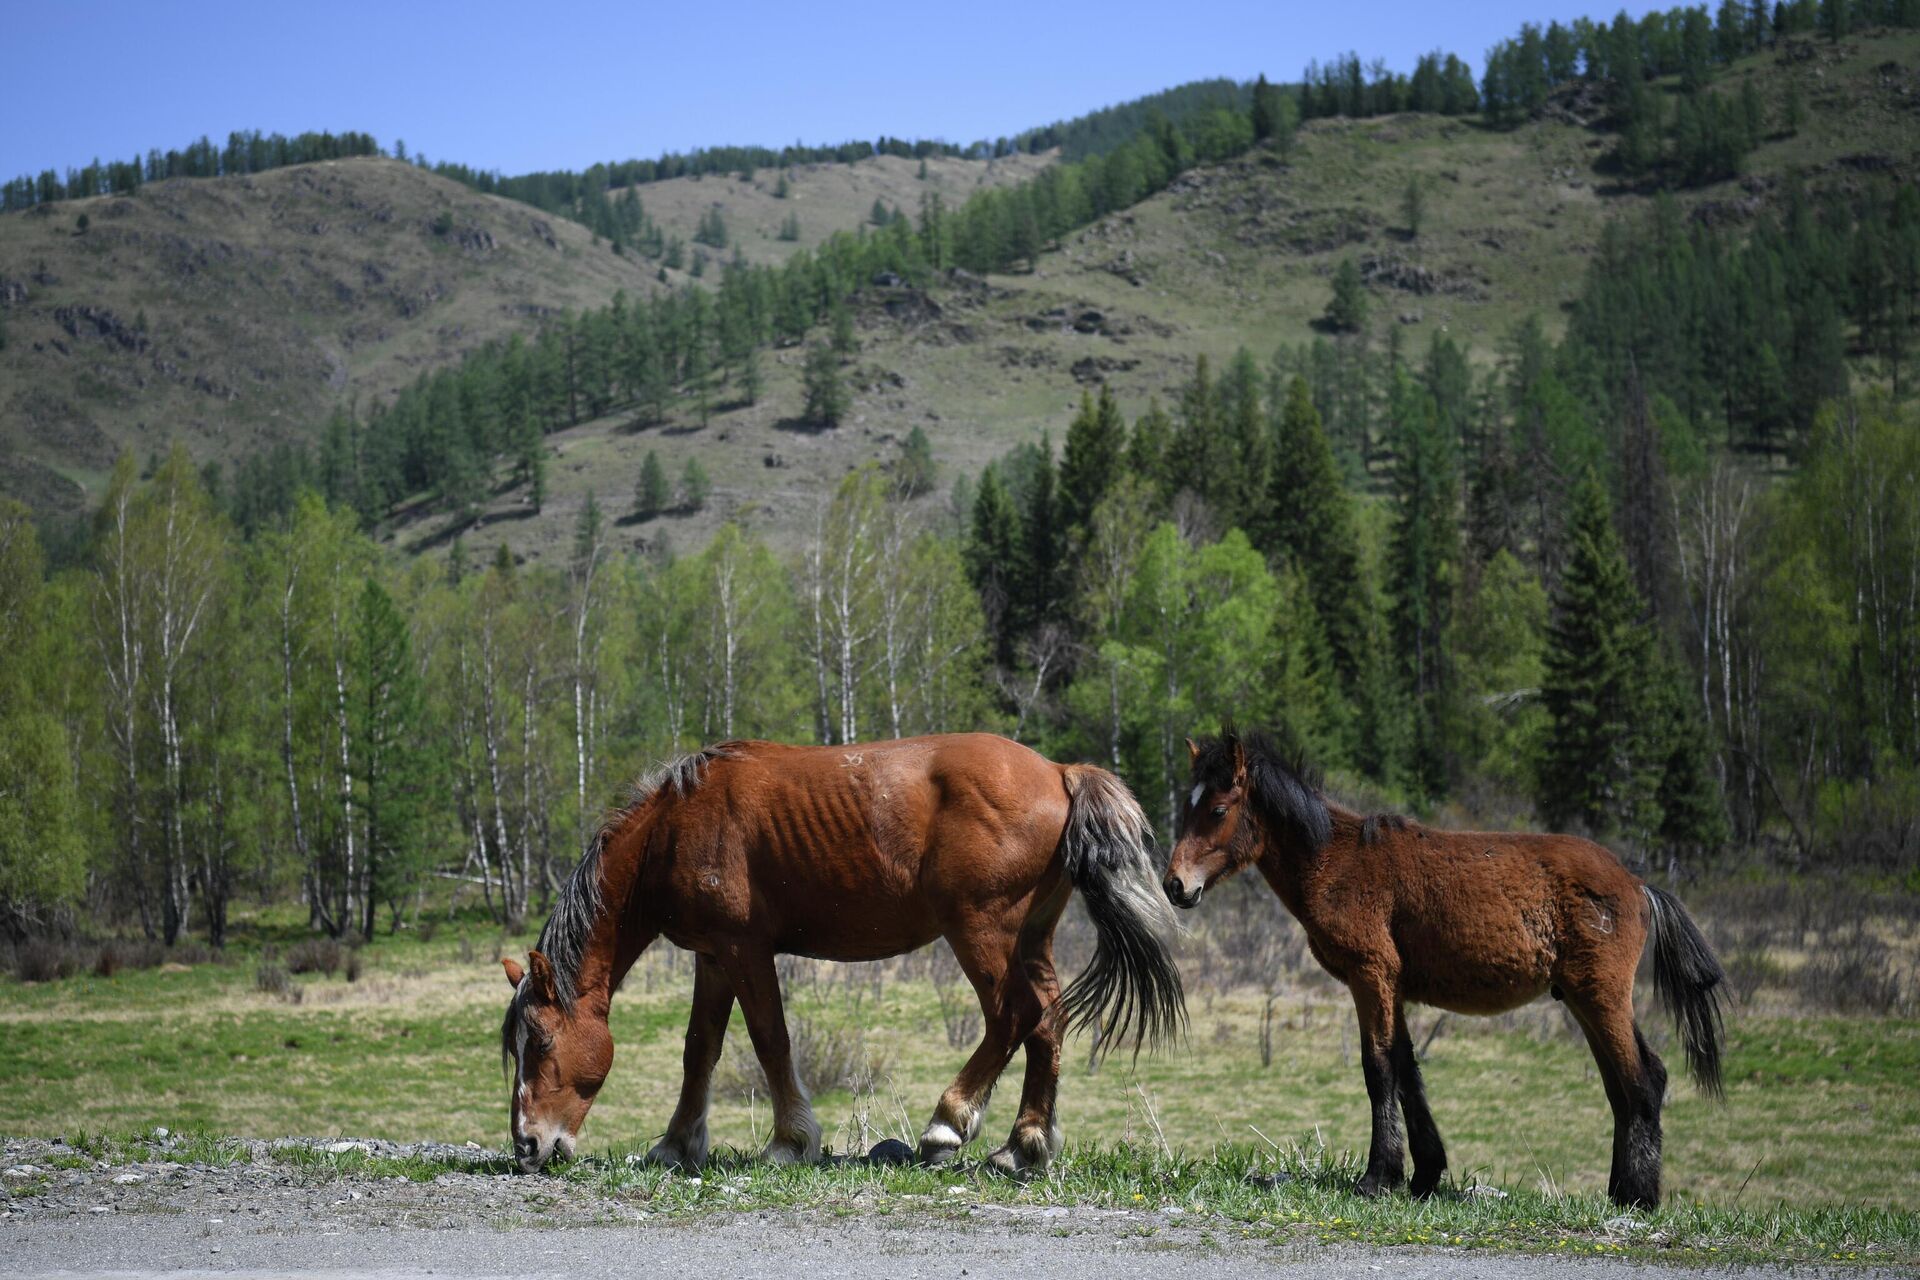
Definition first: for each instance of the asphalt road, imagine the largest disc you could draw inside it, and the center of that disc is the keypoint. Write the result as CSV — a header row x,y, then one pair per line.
x,y
140,1246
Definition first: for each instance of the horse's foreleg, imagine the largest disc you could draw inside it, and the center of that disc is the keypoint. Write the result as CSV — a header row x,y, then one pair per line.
x,y
756,984
1036,1138
1009,1012
1429,1153
1377,1006
685,1143
1636,1083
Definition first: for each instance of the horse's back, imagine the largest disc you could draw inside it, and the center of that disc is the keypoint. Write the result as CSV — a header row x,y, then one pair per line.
x,y
1486,921
862,850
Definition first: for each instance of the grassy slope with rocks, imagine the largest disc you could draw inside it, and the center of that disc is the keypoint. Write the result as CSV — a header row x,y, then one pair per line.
x,y
235,312
1238,254
1234,254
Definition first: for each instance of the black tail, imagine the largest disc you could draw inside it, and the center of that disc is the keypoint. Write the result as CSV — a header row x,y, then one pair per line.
x,y
1690,983
1131,989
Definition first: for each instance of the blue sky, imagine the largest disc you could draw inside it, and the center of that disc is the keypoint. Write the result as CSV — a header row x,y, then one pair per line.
x,y
525,86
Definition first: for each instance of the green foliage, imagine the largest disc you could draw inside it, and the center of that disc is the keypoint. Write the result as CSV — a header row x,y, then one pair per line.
x,y
1413,206
651,494
1092,458
694,486
916,469
42,858
826,400
1347,309
1599,769
1422,574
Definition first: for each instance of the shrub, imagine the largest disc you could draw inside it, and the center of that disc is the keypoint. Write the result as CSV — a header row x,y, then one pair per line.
x,y
271,978
317,955
826,1057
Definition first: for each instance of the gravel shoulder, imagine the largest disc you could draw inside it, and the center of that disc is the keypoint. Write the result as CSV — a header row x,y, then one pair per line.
x,y
285,1210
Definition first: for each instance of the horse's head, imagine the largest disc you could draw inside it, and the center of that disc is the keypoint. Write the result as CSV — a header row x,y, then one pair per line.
x,y
559,1053
1217,835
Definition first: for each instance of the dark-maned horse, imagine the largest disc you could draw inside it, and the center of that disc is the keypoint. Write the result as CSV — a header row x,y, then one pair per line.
x,y
1475,922
748,850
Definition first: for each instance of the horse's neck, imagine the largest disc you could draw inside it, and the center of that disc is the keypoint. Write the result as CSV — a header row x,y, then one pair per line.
x,y
1288,865
619,935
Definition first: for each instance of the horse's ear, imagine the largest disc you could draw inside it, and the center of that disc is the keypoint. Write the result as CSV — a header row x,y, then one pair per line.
x,y
1193,753
514,972
540,969
1239,763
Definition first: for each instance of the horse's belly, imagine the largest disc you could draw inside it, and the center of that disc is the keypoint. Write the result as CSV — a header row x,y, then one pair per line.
x,y
1475,974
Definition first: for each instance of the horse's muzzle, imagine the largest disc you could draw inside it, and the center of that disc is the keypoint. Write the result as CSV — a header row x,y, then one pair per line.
x,y
1179,895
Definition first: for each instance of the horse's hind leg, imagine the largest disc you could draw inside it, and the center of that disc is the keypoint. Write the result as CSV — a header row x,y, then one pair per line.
x,y
1636,1082
1377,1006
756,983
685,1143
1036,1139
1429,1153
1010,1010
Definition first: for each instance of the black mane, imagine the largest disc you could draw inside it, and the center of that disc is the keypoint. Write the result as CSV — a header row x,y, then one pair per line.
x,y
1282,787
577,906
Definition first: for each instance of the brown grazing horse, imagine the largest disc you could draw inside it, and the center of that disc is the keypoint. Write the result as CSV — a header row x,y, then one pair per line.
x,y
748,850
1475,922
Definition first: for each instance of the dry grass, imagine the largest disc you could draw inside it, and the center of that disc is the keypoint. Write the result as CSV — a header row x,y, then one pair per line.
x,y
1820,1108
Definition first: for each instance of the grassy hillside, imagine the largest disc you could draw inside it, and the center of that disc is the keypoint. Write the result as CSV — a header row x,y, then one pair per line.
x,y
230,313
1233,255
822,198
234,312
268,299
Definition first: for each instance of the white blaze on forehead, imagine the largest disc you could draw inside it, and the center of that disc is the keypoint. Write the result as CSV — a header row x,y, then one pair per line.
x,y
1199,789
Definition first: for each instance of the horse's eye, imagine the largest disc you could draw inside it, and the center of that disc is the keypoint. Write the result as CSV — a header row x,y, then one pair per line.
x,y
1220,811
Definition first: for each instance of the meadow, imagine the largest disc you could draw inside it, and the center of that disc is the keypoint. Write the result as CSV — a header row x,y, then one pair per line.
x,y
1811,1154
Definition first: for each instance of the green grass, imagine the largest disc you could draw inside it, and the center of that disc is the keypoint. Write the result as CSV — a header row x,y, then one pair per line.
x,y
1293,1194
1819,1111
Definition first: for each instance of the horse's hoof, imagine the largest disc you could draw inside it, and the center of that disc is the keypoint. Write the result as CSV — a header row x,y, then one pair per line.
x,y
669,1154
784,1151
939,1144
1422,1187
1015,1163
937,1153
1372,1188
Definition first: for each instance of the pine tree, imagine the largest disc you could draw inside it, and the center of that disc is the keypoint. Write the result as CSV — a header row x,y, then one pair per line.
x,y
750,375
1597,770
1148,447
1422,570
1309,520
395,773
651,495
1347,309
694,486
1092,457
1413,206
826,394
1041,576
878,215
1266,109
916,469
993,559
845,343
